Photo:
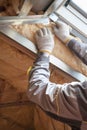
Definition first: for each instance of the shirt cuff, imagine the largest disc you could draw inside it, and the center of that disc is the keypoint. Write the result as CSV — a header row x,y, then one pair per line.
x,y
42,57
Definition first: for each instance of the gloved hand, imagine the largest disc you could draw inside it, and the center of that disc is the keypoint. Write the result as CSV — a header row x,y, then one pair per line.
x,y
45,41
62,31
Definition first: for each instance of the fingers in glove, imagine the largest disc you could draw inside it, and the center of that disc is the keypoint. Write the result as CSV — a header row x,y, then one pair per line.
x,y
44,30
49,32
60,24
39,33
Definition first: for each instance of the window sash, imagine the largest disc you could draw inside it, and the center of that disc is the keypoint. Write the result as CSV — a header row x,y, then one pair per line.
x,y
78,8
77,22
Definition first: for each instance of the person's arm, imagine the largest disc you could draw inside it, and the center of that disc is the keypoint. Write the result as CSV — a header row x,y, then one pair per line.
x,y
63,100
79,48
62,31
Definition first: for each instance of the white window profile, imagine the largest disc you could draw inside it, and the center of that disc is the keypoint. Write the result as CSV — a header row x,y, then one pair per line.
x,y
75,15
80,4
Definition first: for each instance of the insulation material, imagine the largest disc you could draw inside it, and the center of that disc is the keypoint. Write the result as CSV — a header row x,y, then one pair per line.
x,y
8,10
60,50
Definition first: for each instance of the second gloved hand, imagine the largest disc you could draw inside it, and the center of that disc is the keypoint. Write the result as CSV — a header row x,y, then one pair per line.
x,y
45,41
62,31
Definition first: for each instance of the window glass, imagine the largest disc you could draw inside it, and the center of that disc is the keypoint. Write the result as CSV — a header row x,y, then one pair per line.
x,y
82,4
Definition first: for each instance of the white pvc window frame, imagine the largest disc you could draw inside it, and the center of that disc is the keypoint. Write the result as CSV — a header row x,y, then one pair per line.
x,y
75,19
80,6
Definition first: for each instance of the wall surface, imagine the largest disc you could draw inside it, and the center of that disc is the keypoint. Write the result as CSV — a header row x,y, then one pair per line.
x,y
16,112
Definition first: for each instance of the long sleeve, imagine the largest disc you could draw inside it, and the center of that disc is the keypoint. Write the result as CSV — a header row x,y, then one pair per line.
x,y
68,101
79,48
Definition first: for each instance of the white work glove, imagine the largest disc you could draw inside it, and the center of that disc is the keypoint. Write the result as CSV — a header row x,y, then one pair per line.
x,y
62,31
45,41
